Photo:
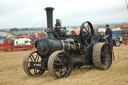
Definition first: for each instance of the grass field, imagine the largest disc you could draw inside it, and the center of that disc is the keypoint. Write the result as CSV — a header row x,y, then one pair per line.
x,y
11,72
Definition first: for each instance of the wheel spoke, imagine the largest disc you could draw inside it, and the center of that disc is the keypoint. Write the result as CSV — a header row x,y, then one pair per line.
x,y
103,57
31,58
85,29
34,58
35,71
57,64
61,72
58,59
102,53
37,57
85,35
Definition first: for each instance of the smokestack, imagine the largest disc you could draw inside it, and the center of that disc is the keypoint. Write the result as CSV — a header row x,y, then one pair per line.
x,y
49,13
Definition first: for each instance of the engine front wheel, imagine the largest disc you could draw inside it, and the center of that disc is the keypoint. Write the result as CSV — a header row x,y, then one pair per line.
x,y
60,64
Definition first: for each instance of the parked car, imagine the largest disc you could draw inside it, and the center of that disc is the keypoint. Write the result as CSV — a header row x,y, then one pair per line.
x,y
117,37
5,43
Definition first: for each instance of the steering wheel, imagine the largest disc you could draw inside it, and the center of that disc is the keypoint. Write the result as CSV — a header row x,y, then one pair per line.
x,y
86,33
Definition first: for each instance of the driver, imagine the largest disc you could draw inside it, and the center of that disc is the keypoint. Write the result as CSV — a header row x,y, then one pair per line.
x,y
108,36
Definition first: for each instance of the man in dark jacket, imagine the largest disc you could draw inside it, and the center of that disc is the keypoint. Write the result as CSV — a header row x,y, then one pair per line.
x,y
108,36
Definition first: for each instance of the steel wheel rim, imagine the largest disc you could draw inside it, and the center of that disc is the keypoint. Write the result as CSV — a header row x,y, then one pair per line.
x,y
30,64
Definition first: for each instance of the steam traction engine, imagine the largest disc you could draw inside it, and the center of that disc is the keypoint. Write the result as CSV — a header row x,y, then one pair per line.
x,y
59,53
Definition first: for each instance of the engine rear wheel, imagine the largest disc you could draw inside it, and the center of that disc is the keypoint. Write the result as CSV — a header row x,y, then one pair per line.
x,y
102,56
33,65
59,64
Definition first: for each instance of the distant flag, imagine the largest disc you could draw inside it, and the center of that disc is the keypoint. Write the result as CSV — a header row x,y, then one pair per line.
x,y
126,3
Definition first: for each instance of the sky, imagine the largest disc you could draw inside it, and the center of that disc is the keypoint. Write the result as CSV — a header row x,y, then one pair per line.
x,y
31,13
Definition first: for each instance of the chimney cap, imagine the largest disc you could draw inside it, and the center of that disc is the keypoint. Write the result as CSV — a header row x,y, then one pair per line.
x,y
49,8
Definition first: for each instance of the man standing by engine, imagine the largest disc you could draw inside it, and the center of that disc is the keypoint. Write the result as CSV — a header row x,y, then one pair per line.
x,y
108,36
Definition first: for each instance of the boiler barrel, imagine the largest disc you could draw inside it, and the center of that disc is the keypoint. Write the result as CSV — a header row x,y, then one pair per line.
x,y
46,46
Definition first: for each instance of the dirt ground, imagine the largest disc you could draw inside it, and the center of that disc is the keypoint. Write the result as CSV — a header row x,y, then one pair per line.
x,y
11,72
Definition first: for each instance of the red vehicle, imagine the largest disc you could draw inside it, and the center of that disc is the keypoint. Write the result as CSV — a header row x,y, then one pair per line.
x,y
5,43
8,45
